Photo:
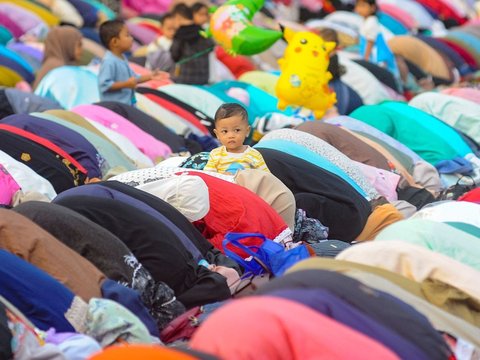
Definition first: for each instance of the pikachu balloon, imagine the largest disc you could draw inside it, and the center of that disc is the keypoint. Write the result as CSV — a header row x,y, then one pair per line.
x,y
304,73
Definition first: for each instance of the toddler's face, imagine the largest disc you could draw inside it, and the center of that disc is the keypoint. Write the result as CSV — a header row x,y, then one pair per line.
x,y
232,132
169,28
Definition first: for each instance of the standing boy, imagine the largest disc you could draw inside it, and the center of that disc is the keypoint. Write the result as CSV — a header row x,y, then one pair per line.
x,y
116,80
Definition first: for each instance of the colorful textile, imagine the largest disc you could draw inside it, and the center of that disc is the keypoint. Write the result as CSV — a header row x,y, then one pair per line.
x,y
224,162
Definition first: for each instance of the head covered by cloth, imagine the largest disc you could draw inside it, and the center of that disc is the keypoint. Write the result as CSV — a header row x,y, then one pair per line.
x,y
188,194
283,330
59,50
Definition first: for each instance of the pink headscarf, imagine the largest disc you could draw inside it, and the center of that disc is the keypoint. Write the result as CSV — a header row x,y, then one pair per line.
x,y
272,328
464,93
146,143
8,187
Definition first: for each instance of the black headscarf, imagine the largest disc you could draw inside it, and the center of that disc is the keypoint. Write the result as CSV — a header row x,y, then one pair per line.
x,y
43,161
379,306
107,252
147,124
212,255
155,246
5,335
321,194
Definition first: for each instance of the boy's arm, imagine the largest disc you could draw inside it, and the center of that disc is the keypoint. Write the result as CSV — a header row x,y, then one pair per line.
x,y
154,75
131,83
106,79
368,50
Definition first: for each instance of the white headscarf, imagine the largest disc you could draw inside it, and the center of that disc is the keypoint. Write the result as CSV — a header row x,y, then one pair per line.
x,y
188,194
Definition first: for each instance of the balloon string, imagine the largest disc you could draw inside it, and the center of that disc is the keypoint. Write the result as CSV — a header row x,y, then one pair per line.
x,y
194,56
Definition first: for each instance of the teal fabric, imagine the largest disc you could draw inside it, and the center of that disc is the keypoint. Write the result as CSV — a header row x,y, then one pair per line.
x,y
468,228
80,89
392,24
261,102
103,8
5,35
433,124
438,237
429,137
303,153
462,114
15,57
113,156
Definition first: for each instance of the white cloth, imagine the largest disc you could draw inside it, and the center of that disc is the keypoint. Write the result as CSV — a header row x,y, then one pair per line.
x,y
451,211
370,28
188,194
28,179
160,43
67,12
362,81
143,176
415,263
173,161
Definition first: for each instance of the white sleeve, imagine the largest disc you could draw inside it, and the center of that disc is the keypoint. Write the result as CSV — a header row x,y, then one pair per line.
x,y
370,28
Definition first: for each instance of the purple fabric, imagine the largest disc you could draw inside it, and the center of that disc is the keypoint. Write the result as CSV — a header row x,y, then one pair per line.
x,y
70,141
26,49
87,12
58,338
16,30
97,190
27,20
326,303
144,35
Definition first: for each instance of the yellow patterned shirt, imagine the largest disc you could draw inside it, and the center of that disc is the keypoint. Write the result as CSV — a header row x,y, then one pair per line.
x,y
223,162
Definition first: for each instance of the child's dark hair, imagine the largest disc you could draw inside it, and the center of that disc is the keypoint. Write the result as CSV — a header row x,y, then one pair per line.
x,y
198,6
231,109
328,35
371,3
166,17
109,30
183,10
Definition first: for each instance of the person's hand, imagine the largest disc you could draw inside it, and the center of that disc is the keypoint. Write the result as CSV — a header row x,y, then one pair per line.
x,y
131,83
160,75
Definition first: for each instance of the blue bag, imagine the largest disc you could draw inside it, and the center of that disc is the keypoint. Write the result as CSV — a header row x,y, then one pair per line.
x,y
270,257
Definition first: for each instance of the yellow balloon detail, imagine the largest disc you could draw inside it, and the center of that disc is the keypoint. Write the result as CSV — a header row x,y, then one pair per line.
x,y
304,77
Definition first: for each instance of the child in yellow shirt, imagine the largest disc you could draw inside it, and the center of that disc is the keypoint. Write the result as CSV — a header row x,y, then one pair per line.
x,y
231,129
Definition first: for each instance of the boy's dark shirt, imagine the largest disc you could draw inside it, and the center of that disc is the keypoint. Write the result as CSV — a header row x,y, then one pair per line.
x,y
187,43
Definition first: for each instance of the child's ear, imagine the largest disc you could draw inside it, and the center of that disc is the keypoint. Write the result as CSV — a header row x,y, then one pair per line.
x,y
215,132
249,128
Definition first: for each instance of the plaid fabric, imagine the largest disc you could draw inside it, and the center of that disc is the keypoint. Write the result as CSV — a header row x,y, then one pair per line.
x,y
187,43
